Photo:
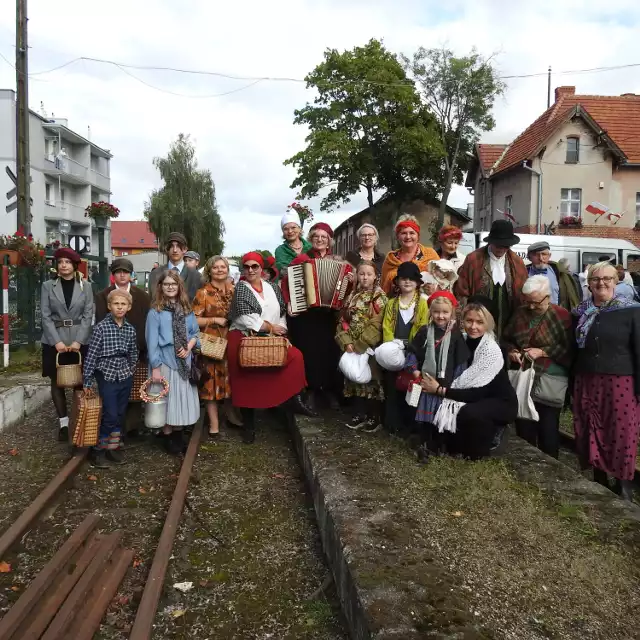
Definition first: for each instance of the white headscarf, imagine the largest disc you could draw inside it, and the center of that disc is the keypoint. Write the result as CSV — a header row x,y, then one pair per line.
x,y
290,216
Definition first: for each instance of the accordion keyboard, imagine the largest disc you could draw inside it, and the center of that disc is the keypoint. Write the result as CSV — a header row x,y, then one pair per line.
x,y
297,294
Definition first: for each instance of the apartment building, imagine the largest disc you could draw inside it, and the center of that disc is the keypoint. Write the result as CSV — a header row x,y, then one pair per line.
x,y
574,171
68,173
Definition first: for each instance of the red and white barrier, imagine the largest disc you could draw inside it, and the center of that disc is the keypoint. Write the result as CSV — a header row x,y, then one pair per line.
x,y
5,313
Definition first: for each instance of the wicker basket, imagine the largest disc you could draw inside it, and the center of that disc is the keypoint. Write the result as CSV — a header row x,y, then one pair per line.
x,y
258,352
139,376
214,347
87,424
69,376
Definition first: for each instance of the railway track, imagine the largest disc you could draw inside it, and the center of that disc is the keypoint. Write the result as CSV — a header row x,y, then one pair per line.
x,y
89,567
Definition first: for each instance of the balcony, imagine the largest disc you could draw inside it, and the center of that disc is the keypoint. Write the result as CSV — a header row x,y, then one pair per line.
x,y
65,211
75,173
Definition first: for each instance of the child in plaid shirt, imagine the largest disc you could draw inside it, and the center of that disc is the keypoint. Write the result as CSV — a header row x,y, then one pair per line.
x,y
111,361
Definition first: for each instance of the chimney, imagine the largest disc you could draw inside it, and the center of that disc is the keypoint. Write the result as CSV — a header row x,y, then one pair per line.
x,y
564,91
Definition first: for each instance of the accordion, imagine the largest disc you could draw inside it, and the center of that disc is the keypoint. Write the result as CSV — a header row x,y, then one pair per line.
x,y
319,283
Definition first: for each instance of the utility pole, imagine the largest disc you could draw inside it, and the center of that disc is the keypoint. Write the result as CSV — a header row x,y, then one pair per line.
x,y
549,88
23,166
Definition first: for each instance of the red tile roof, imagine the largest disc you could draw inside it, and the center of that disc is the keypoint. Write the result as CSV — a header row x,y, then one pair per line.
x,y
489,154
617,116
132,234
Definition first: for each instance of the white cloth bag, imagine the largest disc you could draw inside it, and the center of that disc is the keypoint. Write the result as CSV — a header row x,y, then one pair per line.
x,y
412,397
390,355
355,366
522,381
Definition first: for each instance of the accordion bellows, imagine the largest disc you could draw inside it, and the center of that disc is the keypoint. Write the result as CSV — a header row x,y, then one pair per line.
x,y
319,283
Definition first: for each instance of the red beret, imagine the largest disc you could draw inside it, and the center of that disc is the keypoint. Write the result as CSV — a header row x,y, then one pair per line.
x,y
253,255
323,226
443,294
69,254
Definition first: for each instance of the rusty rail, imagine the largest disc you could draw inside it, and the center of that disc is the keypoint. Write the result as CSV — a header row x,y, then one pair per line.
x,y
143,624
31,513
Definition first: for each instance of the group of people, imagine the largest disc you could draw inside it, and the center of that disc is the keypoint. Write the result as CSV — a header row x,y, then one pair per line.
x,y
450,325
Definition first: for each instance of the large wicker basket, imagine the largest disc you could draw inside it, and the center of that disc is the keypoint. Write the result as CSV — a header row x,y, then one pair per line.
x,y
87,423
139,376
259,352
69,376
214,347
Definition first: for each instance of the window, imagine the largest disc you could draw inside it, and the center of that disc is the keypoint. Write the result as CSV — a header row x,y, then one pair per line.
x,y
573,150
47,193
638,207
62,195
570,202
508,213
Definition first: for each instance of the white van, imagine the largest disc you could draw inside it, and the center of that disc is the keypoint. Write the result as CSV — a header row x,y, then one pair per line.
x,y
577,250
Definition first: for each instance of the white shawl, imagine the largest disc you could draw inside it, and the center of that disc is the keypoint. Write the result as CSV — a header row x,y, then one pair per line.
x,y
498,265
487,363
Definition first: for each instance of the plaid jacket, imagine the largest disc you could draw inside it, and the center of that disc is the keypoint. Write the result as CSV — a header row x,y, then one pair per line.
x,y
554,335
474,277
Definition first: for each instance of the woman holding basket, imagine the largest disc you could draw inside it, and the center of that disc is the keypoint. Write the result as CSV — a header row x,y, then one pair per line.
x,y
211,307
259,308
172,334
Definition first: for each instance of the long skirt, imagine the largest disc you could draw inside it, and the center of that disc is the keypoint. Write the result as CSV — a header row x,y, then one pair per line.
x,y
313,332
606,421
263,388
183,406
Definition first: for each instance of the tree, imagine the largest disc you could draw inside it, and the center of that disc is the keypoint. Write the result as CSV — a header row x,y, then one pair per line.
x,y
186,202
367,129
460,92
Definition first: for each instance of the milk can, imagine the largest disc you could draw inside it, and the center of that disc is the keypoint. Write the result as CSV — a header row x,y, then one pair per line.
x,y
155,410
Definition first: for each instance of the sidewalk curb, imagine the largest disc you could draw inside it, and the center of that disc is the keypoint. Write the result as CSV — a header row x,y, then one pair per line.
x,y
21,401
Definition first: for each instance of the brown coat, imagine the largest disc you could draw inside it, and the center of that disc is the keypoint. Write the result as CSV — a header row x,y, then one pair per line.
x,y
137,316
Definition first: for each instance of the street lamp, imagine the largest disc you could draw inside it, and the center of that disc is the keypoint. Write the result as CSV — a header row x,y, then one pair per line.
x,y
64,227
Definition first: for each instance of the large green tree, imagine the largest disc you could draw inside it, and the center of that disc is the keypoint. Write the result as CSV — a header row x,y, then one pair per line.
x,y
367,130
460,92
186,202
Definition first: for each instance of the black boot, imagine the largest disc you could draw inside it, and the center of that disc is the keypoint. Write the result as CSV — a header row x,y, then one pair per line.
x,y
600,477
174,443
98,459
625,489
249,425
297,405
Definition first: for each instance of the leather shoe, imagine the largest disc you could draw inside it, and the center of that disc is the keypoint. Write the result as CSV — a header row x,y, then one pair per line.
x,y
298,406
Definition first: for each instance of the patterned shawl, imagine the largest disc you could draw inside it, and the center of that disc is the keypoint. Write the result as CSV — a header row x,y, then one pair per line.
x,y
244,303
587,312
362,306
553,334
179,327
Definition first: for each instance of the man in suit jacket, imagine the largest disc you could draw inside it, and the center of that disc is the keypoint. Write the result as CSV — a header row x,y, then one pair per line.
x,y
176,247
121,268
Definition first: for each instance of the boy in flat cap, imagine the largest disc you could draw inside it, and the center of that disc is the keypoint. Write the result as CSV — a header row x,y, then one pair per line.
x,y
176,248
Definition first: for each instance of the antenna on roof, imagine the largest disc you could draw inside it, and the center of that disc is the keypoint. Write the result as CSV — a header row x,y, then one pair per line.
x,y
89,133
549,88
43,113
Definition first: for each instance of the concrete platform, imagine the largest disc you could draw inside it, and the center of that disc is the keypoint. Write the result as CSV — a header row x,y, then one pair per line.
x,y
21,396
518,548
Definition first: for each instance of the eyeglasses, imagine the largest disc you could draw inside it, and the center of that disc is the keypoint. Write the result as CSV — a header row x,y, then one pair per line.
x,y
532,304
367,235
251,267
169,284
605,279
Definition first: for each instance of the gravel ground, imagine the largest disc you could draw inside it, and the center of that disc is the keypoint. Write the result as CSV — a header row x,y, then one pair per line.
x,y
249,544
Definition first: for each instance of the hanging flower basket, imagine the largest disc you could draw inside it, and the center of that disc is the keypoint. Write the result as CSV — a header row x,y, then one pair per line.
x,y
21,250
571,222
302,210
100,211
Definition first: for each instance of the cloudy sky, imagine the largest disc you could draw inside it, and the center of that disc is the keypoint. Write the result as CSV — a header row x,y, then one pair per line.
x,y
244,137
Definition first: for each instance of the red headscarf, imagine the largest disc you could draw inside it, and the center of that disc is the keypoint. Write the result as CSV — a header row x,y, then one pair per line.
x,y
323,226
443,294
449,231
253,255
408,223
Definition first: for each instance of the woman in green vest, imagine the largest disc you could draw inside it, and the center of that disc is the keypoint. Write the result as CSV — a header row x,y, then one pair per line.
x,y
294,244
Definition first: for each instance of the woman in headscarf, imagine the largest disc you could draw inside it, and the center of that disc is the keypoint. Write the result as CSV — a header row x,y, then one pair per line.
x,y
606,412
408,234
313,331
368,238
448,241
258,307
294,244
67,310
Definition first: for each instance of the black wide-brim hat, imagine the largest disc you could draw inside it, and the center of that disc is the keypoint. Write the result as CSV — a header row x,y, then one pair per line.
x,y
501,234
411,271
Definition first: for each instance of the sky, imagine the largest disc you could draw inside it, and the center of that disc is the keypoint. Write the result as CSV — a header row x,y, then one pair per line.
x,y
243,137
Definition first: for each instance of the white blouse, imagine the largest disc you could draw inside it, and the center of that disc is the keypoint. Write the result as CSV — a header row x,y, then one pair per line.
x,y
270,310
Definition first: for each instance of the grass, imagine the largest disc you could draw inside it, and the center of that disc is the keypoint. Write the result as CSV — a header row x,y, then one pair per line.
x,y
23,360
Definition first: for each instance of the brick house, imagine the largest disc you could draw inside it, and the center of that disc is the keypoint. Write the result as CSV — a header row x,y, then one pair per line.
x,y
384,214
134,239
574,171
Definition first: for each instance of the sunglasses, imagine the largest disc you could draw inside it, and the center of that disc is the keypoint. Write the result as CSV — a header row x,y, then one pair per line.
x,y
251,267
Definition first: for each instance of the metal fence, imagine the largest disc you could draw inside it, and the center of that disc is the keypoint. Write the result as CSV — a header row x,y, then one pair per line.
x,y
25,326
